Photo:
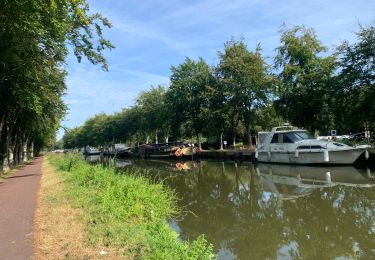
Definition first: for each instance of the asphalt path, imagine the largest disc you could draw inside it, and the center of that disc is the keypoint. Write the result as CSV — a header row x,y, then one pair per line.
x,y
18,200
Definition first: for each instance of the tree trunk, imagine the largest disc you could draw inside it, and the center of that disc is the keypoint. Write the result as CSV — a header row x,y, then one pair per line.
x,y
166,139
156,138
199,142
3,149
221,141
30,146
24,151
16,153
2,124
147,139
250,142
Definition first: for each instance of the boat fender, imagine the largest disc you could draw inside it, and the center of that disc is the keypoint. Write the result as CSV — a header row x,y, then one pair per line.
x,y
269,156
296,154
326,155
328,177
178,152
367,155
256,154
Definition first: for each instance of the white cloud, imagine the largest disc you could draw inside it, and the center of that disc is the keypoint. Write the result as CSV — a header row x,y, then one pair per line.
x,y
152,35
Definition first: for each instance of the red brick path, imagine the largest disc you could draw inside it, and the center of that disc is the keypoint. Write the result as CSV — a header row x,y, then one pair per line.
x,y
18,200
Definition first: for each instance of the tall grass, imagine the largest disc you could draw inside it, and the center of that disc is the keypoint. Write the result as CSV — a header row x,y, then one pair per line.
x,y
126,211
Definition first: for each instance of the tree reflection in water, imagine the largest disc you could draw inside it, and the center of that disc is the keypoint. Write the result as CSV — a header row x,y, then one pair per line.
x,y
273,211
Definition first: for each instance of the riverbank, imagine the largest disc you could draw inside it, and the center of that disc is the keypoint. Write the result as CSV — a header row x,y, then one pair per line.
x,y
120,216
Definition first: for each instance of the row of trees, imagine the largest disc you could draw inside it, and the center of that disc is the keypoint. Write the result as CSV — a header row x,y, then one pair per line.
x,y
33,48
243,94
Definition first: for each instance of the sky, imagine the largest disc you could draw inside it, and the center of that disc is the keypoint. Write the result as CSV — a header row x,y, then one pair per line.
x,y
150,36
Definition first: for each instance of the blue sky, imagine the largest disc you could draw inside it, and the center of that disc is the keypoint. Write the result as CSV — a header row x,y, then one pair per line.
x,y
151,36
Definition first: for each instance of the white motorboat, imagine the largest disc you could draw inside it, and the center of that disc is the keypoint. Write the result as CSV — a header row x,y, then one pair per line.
x,y
288,144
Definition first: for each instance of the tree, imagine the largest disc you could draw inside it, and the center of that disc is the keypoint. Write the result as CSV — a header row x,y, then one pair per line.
x,y
33,48
218,120
152,106
187,97
245,77
356,96
306,79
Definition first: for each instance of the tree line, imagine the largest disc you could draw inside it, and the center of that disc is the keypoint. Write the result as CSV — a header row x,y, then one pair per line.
x,y
34,40
304,84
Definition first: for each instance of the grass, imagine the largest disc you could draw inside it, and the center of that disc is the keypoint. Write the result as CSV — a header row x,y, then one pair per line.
x,y
124,214
60,228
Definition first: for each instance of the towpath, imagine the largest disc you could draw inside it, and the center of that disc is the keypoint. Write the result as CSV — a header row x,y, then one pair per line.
x,y
18,200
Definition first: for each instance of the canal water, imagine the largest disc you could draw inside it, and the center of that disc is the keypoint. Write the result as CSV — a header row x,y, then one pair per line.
x,y
269,211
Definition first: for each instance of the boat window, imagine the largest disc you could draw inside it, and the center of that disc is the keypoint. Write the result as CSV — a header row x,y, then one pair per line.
x,y
309,147
298,136
305,135
338,144
286,139
281,138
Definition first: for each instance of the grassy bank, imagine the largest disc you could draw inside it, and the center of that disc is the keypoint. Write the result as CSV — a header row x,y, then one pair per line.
x,y
124,212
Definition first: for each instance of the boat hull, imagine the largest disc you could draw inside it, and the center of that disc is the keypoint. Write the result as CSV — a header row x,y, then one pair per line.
x,y
340,157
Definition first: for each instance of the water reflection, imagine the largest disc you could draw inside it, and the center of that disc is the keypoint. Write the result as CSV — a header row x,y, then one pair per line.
x,y
290,182
93,158
273,211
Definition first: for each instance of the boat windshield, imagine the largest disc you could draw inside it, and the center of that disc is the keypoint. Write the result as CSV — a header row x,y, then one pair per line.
x,y
298,136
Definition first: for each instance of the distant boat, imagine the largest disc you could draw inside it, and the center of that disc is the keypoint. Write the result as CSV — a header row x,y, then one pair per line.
x,y
165,150
88,151
124,153
122,150
288,144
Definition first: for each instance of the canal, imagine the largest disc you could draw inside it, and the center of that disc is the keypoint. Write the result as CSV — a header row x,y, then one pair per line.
x,y
268,211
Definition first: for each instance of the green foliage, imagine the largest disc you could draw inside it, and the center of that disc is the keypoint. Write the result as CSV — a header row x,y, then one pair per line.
x,y
356,95
246,81
304,96
153,117
187,97
123,210
33,48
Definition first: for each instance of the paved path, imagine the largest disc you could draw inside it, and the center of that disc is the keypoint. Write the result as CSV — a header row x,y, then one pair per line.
x,y
18,199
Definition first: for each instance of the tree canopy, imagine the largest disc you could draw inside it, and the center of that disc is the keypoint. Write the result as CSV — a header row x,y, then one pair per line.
x,y
34,40
356,102
242,94
304,96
